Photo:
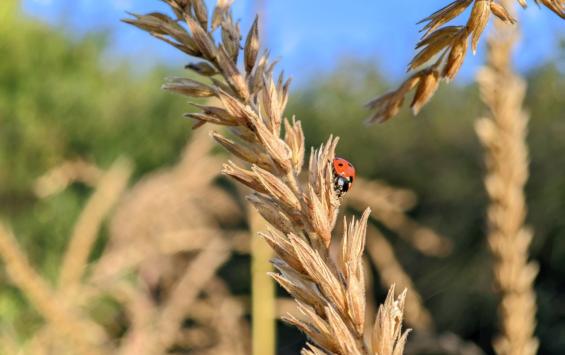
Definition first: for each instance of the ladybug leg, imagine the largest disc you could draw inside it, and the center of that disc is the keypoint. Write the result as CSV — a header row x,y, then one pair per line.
x,y
341,185
337,187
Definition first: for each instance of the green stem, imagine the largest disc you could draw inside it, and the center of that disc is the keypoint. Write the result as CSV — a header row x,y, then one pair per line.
x,y
262,289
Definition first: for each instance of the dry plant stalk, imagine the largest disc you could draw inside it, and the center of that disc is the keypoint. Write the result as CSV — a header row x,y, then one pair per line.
x,y
69,323
263,291
59,307
392,272
169,211
166,231
251,105
85,231
200,271
442,51
503,134
66,173
234,335
196,248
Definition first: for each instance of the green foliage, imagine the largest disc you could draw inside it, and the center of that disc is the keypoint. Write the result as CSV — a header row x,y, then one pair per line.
x,y
59,100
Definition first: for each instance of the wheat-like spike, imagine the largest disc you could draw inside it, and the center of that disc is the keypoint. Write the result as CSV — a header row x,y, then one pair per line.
x,y
444,48
503,135
252,103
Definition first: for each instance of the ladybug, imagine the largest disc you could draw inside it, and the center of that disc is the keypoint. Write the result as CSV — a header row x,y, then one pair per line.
x,y
344,174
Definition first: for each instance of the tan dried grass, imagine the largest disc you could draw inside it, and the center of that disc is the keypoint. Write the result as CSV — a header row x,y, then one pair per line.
x,y
503,134
187,289
85,231
330,291
58,178
166,230
69,322
153,326
168,212
442,51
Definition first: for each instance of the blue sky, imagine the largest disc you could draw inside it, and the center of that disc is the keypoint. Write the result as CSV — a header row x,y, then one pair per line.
x,y
309,35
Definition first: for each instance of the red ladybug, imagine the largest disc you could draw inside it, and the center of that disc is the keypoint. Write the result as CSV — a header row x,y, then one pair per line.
x,y
344,174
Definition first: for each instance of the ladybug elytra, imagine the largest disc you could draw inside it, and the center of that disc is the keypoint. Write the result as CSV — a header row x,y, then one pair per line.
x,y
344,174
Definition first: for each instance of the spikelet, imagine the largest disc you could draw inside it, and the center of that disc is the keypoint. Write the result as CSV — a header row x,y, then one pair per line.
x,y
387,337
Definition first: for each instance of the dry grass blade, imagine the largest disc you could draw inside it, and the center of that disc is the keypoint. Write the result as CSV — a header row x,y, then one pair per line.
x,y
304,213
456,54
163,214
198,273
202,68
501,12
85,231
201,12
58,178
312,350
445,47
81,333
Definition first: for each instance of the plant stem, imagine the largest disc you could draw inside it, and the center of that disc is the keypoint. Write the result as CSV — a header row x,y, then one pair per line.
x,y
262,289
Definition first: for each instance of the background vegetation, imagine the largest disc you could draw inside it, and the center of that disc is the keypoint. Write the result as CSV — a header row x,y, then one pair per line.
x,y
61,100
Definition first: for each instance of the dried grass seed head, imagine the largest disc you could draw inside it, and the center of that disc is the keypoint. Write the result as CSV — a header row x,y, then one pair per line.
x,y
449,45
252,104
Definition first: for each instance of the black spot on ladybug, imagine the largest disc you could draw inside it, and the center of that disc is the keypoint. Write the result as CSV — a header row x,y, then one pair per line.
x,y
340,164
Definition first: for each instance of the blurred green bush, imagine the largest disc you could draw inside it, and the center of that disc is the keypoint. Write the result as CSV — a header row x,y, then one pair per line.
x,y
61,99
